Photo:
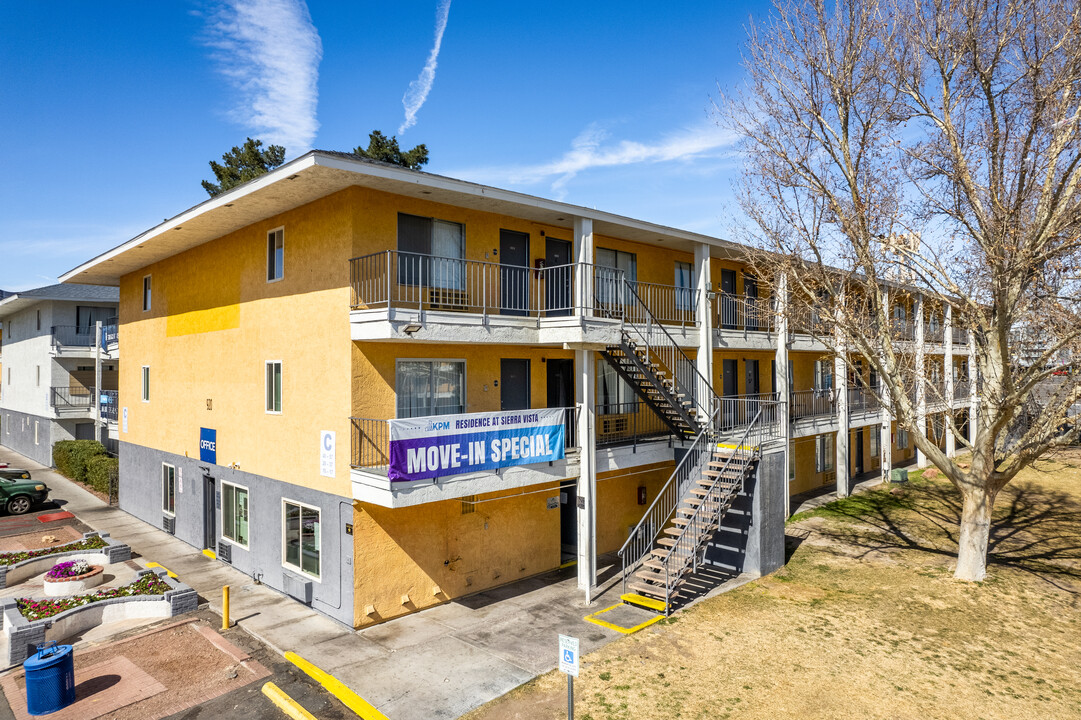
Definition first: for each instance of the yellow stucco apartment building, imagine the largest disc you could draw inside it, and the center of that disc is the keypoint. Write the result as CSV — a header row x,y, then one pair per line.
x,y
282,339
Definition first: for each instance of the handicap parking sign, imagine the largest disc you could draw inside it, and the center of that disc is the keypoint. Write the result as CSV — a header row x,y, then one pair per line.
x,y
568,655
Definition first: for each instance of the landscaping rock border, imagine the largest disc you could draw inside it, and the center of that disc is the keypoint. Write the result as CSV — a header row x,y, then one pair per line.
x,y
113,552
24,636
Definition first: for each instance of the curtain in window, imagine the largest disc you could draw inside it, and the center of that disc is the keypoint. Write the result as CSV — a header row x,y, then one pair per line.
x,y
613,394
684,286
448,380
430,388
448,269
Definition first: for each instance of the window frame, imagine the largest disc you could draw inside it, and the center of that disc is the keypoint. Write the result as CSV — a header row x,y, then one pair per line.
x,y
875,441
432,361
148,294
221,520
167,511
299,568
280,388
824,453
145,378
684,299
271,240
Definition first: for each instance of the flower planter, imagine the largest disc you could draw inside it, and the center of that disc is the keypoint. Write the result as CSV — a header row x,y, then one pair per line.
x,y
75,584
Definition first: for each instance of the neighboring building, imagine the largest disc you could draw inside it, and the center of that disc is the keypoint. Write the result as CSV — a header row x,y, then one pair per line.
x,y
52,362
271,333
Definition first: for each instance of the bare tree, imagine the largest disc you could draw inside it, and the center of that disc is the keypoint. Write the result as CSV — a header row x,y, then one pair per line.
x,y
927,152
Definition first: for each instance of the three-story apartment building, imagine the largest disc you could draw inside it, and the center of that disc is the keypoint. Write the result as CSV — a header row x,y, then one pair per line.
x,y
280,337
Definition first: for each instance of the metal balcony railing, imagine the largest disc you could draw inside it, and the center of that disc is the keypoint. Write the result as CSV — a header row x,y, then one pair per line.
x,y
81,336
369,442
811,403
737,411
934,333
628,424
71,398
960,335
739,312
861,399
903,329
807,320
961,389
936,391
394,279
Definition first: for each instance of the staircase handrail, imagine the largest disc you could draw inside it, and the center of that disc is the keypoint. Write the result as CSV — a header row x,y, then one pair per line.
x,y
695,521
672,502
707,412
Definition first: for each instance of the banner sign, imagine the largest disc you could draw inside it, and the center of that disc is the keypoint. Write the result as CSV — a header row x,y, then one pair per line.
x,y
430,447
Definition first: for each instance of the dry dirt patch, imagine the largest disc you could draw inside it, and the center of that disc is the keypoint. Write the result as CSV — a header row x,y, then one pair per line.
x,y
866,621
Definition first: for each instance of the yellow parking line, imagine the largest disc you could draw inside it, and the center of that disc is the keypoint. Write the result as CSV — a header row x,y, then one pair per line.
x,y
210,554
168,572
337,688
286,704
618,628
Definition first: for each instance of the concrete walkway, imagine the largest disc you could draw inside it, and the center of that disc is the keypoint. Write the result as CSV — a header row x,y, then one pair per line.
x,y
439,663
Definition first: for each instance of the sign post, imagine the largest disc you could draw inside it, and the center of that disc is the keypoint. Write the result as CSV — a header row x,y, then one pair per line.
x,y
568,663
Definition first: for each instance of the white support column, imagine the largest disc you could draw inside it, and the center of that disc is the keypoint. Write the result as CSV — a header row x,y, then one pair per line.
x,y
947,369
583,256
704,358
585,368
921,381
885,442
97,381
840,387
973,396
781,378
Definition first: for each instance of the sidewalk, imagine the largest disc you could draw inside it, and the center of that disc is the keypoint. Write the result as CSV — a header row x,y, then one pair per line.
x,y
439,663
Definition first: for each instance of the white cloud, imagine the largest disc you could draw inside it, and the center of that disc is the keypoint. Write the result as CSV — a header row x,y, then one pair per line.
x,y
418,89
270,52
590,150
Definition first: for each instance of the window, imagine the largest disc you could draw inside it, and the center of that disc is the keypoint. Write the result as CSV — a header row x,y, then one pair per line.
x,y
86,318
607,285
168,488
902,438
824,453
38,368
430,387
36,433
146,293
274,386
234,513
301,538
823,375
876,431
614,395
684,286
275,255
39,319
146,383
430,252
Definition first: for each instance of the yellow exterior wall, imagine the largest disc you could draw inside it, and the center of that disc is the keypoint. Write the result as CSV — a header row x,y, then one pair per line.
x,y
765,369
213,324
617,502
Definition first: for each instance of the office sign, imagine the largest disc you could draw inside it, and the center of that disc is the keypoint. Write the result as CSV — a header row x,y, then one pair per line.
x,y
326,453
430,447
208,445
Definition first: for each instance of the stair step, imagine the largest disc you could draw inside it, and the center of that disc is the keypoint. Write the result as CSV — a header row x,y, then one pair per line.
x,y
650,575
648,590
642,601
657,565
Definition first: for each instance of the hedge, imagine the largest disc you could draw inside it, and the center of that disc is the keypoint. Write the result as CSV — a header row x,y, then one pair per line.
x,y
71,457
101,472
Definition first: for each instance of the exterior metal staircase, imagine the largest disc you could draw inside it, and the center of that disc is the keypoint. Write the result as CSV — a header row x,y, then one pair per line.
x,y
651,381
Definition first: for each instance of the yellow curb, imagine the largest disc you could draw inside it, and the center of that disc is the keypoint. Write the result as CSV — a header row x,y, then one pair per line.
x,y
168,572
210,554
619,628
643,601
338,689
568,564
286,704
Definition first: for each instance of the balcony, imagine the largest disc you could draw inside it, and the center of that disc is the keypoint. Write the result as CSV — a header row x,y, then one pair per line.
x,y
743,321
903,330
79,340
74,401
933,332
862,400
400,296
961,389
811,403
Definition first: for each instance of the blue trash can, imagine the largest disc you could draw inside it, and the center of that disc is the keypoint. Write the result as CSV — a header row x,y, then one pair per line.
x,y
50,679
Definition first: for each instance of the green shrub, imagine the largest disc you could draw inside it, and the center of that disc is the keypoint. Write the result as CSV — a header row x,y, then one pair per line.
x,y
72,456
101,472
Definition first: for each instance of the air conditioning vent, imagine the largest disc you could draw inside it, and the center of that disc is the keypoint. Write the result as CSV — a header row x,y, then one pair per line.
x,y
614,425
168,524
225,552
297,588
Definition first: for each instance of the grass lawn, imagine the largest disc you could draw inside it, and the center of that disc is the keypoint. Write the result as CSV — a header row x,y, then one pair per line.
x,y
865,621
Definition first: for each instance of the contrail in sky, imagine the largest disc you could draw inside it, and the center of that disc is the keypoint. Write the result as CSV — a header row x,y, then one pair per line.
x,y
418,89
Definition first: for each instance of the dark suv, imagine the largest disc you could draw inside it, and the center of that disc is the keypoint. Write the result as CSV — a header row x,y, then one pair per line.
x,y
18,492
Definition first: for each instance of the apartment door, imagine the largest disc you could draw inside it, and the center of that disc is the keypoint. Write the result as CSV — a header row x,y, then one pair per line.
x,y
557,277
858,455
561,391
750,292
513,272
751,387
513,384
728,299
210,513
729,390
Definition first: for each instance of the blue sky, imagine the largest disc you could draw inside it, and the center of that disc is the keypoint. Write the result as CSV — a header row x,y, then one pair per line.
x,y
109,112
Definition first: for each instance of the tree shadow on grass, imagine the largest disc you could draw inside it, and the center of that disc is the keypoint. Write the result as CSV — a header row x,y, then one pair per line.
x,y
1034,529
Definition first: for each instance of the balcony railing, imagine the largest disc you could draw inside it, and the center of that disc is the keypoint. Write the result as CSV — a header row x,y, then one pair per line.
x,y
71,398
811,403
960,335
82,336
936,391
934,333
903,329
861,399
370,440
393,279
961,389
739,312
807,320
628,424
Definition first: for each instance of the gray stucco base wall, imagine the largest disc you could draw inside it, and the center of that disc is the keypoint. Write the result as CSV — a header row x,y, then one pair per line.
x,y
141,496
17,433
751,537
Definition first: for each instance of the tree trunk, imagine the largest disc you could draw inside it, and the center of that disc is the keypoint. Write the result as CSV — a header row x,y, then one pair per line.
x,y
975,532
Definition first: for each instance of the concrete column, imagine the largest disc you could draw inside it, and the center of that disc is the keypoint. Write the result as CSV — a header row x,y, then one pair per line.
x,y
973,396
782,390
585,395
947,369
97,382
704,358
840,387
885,442
583,256
921,381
